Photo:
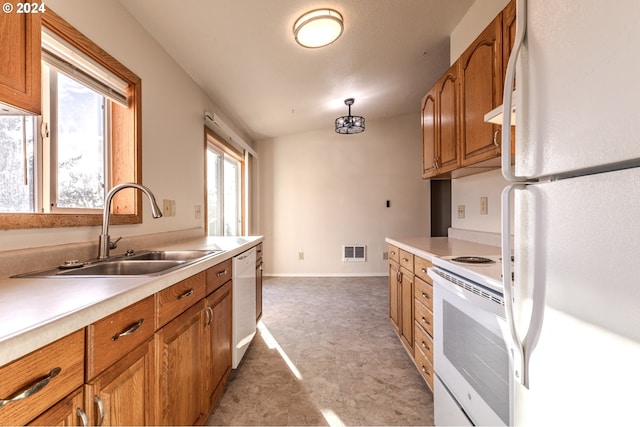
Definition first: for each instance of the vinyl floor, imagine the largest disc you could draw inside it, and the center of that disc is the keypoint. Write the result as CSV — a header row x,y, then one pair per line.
x,y
325,354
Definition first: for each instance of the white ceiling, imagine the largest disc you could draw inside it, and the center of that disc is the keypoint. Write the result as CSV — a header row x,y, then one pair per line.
x,y
243,55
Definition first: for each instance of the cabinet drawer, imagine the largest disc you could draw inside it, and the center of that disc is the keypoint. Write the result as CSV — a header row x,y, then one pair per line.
x,y
425,368
423,342
420,269
172,301
424,293
61,361
394,253
111,338
424,317
218,275
406,260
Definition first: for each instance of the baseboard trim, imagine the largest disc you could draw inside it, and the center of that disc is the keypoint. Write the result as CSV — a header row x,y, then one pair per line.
x,y
385,274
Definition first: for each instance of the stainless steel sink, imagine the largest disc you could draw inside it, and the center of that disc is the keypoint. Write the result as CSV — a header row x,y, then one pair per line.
x,y
123,268
147,263
169,255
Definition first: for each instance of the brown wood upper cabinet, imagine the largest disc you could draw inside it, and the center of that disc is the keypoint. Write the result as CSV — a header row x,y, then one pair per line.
x,y
20,68
454,133
440,126
480,92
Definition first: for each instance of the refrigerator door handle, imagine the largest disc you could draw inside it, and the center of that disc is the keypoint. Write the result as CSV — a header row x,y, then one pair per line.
x,y
507,95
516,350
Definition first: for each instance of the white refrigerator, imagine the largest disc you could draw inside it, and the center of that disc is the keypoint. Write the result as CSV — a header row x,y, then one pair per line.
x,y
573,208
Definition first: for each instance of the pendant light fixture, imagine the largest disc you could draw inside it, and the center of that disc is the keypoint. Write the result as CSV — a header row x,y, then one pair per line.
x,y
318,28
349,124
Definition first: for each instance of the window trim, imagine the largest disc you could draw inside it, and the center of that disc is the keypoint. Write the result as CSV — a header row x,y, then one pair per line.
x,y
211,138
126,152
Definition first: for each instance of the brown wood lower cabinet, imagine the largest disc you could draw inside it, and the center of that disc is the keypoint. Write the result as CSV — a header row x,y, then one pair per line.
x,y
217,344
119,395
178,347
164,360
68,412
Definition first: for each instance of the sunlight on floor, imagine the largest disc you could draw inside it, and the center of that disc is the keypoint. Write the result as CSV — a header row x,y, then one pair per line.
x,y
273,344
332,419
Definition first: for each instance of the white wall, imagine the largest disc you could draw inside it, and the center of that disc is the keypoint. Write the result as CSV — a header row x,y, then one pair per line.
x,y
467,191
320,190
172,124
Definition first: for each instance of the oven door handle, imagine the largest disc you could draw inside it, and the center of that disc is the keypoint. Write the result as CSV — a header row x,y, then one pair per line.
x,y
517,350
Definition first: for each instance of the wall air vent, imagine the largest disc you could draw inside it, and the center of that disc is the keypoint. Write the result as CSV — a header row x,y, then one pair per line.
x,y
354,253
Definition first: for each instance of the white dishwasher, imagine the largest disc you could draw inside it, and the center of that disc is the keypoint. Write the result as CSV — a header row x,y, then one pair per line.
x,y
244,303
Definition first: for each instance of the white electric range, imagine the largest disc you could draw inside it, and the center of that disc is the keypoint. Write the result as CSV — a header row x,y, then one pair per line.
x,y
471,360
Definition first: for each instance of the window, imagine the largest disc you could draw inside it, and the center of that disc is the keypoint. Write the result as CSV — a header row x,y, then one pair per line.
x,y
225,183
86,141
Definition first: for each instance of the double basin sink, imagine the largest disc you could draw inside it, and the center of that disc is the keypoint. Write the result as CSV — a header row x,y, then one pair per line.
x,y
147,263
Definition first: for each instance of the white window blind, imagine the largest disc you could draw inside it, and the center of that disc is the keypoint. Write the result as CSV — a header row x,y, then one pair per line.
x,y
78,66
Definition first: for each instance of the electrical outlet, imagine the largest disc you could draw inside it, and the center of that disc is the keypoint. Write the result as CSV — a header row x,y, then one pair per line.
x,y
300,256
198,212
385,256
166,207
484,205
460,211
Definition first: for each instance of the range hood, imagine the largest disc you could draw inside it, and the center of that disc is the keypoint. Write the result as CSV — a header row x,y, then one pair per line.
x,y
495,116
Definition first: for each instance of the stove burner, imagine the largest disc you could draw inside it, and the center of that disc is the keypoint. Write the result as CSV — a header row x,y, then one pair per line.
x,y
473,260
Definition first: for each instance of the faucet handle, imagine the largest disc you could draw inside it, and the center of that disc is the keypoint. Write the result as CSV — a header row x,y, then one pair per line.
x,y
114,244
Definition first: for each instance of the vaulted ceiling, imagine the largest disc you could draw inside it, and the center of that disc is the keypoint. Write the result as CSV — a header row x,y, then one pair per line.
x,y
242,53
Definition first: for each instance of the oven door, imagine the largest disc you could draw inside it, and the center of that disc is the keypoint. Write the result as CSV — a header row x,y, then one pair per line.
x,y
471,355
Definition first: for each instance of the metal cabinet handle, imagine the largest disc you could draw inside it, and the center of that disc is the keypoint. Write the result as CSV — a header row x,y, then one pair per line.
x,y
82,416
261,266
405,259
186,294
425,371
425,296
424,270
425,346
393,252
221,273
129,331
100,405
33,389
209,312
495,138
424,320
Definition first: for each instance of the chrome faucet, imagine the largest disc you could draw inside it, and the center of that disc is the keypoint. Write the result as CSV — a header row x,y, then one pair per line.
x,y
104,241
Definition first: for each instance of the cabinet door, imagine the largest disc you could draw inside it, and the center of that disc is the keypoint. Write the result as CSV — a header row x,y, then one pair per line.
x,y
448,116
68,412
429,137
217,344
20,69
406,290
120,396
480,92
394,293
178,347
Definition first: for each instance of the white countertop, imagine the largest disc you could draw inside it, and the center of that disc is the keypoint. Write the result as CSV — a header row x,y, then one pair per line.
x,y
429,247
37,311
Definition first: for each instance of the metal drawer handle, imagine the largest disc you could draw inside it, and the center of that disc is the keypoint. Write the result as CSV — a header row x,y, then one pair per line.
x,y
424,270
39,385
98,402
221,273
425,321
129,331
426,371
83,417
425,296
405,259
186,294
393,252
495,138
424,345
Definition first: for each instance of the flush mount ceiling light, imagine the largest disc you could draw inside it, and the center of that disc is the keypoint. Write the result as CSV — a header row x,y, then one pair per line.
x,y
318,28
350,124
